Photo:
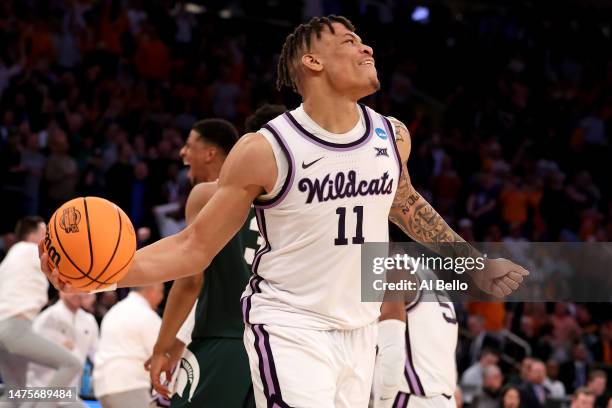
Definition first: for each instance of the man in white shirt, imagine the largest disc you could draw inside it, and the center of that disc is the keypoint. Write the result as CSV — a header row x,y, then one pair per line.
x,y
128,333
472,378
23,293
66,324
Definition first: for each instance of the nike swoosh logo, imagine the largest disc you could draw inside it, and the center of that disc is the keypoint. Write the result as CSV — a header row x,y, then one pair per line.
x,y
305,166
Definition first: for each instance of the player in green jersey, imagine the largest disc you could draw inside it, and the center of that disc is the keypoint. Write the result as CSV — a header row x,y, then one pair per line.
x,y
214,368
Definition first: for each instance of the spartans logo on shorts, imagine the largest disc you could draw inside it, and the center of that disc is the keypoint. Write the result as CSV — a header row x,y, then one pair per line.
x,y
188,373
70,220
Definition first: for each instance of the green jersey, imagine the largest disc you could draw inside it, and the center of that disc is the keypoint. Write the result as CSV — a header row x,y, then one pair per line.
x,y
218,313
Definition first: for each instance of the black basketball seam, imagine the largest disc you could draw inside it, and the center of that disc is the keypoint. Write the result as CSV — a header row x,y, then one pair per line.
x,y
91,258
114,274
104,282
116,246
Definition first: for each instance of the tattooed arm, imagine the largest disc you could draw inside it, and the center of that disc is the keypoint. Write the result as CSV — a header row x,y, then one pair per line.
x,y
411,212
418,219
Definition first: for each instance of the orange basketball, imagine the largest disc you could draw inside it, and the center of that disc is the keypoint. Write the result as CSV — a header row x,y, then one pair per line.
x,y
91,241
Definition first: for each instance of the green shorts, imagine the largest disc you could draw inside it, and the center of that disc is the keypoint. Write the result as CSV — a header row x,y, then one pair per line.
x,y
214,373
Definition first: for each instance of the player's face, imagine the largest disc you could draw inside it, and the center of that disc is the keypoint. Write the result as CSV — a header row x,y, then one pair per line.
x,y
347,62
193,154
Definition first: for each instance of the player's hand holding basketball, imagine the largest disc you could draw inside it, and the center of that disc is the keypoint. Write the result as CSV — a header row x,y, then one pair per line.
x,y
52,274
89,245
500,277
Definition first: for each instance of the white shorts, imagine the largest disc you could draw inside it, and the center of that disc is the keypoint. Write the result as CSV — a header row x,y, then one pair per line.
x,y
385,398
303,368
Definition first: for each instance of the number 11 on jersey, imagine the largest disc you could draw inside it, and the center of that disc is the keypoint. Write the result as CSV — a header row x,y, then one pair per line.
x,y
358,238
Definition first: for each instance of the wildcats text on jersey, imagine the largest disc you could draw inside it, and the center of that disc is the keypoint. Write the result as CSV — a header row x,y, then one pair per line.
x,y
342,186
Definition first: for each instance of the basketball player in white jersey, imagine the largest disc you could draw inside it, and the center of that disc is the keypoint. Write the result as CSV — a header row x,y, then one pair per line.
x,y
324,178
429,372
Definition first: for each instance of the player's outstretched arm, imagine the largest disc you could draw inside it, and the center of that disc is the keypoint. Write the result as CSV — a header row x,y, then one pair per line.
x,y
421,222
249,170
182,297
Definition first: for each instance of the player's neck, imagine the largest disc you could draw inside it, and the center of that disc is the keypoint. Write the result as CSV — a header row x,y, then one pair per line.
x,y
334,114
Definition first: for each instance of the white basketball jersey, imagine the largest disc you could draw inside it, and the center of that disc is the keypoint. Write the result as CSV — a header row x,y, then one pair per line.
x,y
431,341
335,197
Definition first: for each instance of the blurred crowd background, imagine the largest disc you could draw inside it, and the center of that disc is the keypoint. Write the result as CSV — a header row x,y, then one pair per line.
x,y
509,104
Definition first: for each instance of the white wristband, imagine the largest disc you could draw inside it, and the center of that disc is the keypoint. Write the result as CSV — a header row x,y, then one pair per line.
x,y
391,351
109,288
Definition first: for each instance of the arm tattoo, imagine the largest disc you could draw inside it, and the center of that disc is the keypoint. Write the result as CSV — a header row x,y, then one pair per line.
x,y
401,131
418,219
406,196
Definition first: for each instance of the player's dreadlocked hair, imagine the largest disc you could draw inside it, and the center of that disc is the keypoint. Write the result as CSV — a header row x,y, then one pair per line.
x,y
298,41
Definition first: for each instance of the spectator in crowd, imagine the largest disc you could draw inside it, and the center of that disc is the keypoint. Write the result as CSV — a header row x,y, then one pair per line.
x,y
533,392
597,384
472,378
515,202
60,175
494,315
511,397
466,230
68,325
565,326
554,387
120,176
482,203
574,373
23,292
480,338
490,394
104,302
127,337
33,162
537,340
582,398
602,348
12,177
523,374
141,196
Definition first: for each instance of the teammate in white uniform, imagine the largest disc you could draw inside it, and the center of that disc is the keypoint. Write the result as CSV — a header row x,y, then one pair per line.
x,y
66,324
310,340
429,375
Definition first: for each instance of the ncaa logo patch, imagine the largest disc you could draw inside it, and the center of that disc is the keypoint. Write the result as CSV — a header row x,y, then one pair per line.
x,y
381,133
70,220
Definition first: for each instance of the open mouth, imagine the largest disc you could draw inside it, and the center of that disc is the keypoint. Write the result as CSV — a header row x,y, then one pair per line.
x,y
368,62
189,169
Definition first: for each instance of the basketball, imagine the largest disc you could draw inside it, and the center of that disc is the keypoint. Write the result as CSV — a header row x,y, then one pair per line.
x,y
91,241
